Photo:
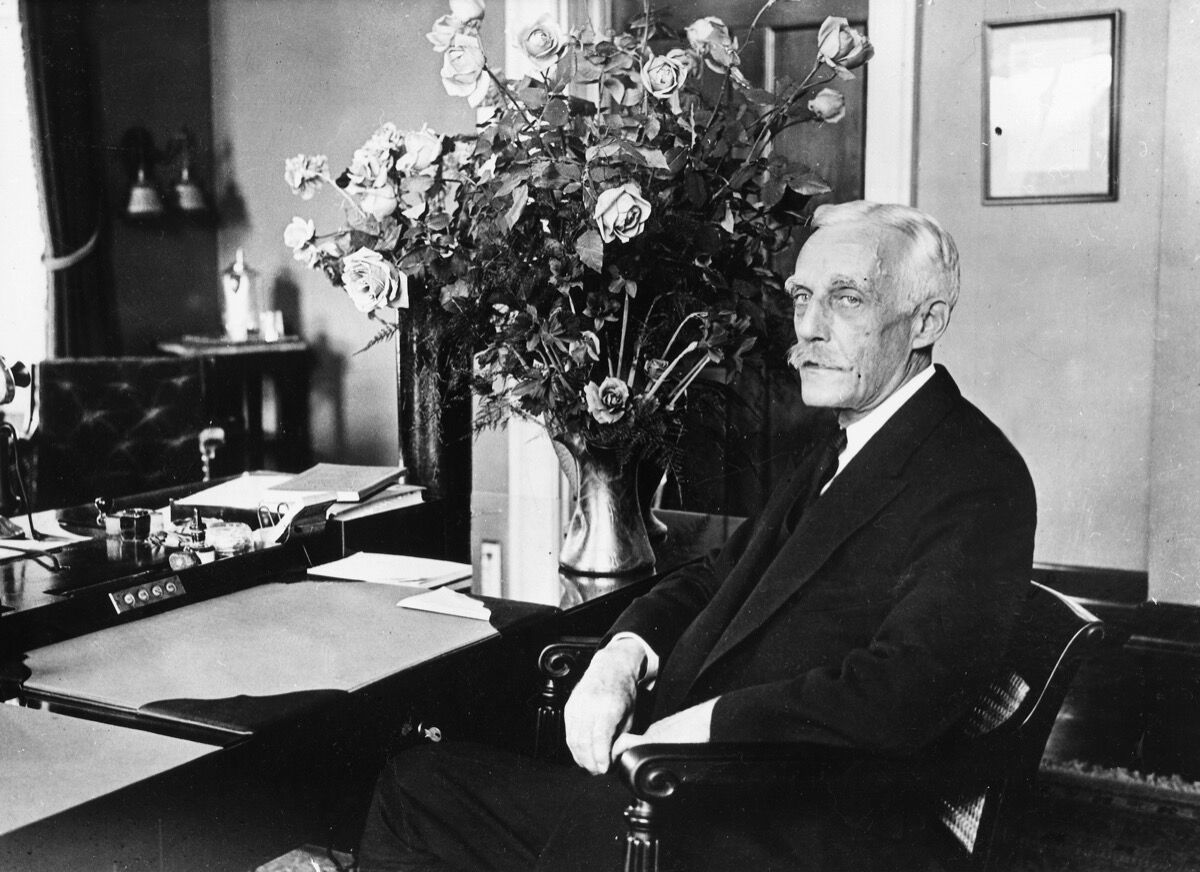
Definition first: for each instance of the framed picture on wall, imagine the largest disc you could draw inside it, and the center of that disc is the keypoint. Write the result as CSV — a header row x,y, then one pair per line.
x,y
1050,109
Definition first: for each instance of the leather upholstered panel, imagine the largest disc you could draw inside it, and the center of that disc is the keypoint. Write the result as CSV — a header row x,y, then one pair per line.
x,y
115,426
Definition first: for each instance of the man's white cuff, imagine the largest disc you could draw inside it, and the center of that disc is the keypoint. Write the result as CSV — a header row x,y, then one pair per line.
x,y
651,671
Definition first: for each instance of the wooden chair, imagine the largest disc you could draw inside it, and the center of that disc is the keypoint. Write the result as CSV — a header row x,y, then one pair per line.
x,y
994,751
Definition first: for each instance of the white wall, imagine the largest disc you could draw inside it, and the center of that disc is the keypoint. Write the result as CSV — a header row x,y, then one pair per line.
x,y
1175,456
1054,335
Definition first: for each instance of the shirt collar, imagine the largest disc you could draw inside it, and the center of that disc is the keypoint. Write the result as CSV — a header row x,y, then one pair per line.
x,y
861,431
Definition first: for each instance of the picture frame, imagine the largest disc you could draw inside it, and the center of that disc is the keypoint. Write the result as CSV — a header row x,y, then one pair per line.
x,y
1050,109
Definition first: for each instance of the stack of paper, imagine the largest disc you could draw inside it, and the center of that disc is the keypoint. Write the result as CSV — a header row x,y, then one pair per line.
x,y
392,497
399,569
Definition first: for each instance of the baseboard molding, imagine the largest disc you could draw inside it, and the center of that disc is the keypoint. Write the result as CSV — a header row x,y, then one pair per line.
x,y
1144,791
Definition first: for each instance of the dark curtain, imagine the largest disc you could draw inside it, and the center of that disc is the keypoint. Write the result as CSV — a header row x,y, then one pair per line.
x,y
83,302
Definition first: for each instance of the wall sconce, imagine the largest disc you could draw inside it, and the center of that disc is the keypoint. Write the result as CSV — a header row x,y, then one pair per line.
x,y
189,196
141,157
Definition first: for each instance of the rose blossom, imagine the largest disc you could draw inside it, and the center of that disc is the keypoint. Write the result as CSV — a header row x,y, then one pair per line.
x,y
368,164
828,105
374,157
421,149
378,201
709,38
607,400
686,58
299,233
463,69
841,46
305,174
443,32
663,76
373,282
543,41
621,213
585,348
467,10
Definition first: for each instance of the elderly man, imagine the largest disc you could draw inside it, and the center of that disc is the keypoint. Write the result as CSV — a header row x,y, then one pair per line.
x,y
864,607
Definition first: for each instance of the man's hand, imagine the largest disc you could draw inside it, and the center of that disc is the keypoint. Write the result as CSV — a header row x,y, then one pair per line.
x,y
690,725
601,706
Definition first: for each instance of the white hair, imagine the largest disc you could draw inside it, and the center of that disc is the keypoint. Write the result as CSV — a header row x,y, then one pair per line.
x,y
932,254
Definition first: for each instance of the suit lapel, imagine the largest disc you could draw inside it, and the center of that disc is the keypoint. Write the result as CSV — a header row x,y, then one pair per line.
x,y
868,483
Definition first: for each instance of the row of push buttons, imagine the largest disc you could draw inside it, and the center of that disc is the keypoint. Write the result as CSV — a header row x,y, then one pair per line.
x,y
136,597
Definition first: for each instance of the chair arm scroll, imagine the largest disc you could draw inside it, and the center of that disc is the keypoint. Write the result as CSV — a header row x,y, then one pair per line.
x,y
566,658
655,771
560,664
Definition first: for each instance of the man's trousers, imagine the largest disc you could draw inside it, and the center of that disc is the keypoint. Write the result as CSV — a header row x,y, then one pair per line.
x,y
458,807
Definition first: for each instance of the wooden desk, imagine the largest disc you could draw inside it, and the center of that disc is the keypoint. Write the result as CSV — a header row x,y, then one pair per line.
x,y
236,374
293,773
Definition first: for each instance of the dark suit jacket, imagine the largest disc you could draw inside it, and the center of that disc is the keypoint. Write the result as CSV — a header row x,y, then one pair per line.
x,y
875,622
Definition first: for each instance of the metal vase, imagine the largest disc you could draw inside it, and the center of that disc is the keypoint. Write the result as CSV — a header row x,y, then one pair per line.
x,y
606,534
650,477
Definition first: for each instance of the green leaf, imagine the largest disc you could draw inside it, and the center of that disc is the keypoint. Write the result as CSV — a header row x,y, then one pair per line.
x,y
654,158
697,190
742,175
386,332
534,96
568,170
590,248
606,148
809,184
556,113
564,70
772,192
513,215
513,177
586,72
676,158
633,153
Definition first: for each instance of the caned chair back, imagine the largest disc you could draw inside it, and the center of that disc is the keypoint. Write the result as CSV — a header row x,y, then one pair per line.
x,y
1001,740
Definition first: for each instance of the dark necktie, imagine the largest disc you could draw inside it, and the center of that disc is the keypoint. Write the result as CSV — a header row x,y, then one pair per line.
x,y
826,465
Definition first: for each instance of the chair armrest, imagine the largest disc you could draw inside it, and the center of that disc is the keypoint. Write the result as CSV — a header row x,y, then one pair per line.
x,y
560,665
565,659
656,770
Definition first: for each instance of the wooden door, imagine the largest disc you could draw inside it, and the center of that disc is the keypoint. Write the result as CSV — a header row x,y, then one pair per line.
x,y
734,453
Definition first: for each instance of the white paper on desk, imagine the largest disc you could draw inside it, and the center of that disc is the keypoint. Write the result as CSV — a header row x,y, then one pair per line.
x,y
398,569
46,523
246,492
447,602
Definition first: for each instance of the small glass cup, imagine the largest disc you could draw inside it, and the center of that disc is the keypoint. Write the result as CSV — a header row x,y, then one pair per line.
x,y
134,524
229,538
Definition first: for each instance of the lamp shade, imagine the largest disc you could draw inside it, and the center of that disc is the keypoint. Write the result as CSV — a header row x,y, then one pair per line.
x,y
144,200
188,195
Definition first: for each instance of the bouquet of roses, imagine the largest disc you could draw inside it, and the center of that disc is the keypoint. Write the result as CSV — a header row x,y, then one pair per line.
x,y
603,237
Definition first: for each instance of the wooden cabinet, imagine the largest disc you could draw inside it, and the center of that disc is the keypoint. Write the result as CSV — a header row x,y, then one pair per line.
x,y
257,391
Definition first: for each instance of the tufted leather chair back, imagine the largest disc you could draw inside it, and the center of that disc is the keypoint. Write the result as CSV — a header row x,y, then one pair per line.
x,y
115,426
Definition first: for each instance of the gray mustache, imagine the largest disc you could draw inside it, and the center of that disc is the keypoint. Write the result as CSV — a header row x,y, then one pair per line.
x,y
796,358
